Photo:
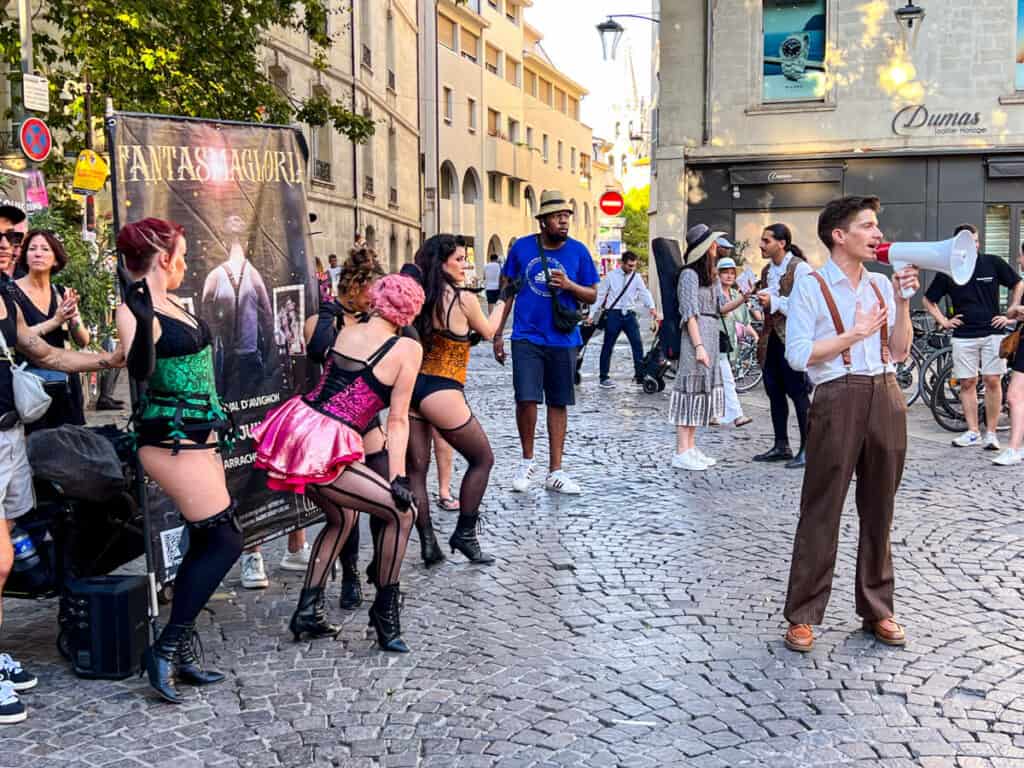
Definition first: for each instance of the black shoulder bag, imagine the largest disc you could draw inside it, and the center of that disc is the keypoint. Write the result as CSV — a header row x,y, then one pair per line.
x,y
602,318
565,319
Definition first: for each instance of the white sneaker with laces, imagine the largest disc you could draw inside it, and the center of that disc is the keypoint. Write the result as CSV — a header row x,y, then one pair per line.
x,y
967,440
705,458
990,442
11,709
13,673
1009,457
560,481
296,561
523,478
254,573
689,460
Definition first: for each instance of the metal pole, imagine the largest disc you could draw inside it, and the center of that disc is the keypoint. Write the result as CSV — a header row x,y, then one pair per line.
x,y
90,202
25,34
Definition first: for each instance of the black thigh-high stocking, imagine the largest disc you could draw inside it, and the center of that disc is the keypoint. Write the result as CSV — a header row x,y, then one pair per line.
x,y
378,462
417,464
339,523
361,489
214,545
471,442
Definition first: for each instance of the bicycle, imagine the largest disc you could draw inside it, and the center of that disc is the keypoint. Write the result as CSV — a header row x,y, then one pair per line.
x,y
945,399
745,368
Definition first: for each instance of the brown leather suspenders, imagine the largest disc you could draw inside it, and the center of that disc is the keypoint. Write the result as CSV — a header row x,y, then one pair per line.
x,y
837,321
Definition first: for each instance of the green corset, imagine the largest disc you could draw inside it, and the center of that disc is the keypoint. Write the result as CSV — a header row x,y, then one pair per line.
x,y
183,392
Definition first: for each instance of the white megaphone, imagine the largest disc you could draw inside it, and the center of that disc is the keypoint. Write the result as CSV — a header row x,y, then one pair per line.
x,y
955,257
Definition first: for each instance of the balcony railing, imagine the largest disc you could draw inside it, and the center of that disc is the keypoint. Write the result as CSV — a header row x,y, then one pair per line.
x,y
393,196
321,170
367,57
368,186
392,80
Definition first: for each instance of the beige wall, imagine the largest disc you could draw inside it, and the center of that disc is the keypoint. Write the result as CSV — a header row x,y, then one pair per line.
x,y
463,151
341,196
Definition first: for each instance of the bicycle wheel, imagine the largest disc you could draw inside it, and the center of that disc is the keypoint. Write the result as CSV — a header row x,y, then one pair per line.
x,y
945,400
907,376
930,370
746,370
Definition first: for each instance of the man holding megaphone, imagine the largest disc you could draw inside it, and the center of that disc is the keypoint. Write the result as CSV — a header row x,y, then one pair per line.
x,y
847,328
977,326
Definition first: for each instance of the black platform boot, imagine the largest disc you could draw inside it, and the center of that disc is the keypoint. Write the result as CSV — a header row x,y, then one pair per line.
x,y
351,589
310,617
384,617
464,539
430,550
189,660
158,662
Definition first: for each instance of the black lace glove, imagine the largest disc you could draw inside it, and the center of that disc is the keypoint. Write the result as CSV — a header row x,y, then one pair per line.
x,y
402,493
511,290
137,297
142,355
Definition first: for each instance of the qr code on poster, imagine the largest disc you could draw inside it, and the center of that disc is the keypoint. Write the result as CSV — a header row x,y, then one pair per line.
x,y
170,541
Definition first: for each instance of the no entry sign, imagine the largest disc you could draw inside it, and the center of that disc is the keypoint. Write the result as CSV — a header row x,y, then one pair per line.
x,y
36,141
611,203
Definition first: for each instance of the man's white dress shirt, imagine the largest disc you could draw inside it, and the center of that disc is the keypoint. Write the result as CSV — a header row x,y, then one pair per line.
x,y
611,287
809,320
775,274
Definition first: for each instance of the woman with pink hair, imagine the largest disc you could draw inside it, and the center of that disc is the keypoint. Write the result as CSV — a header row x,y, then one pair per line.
x,y
313,445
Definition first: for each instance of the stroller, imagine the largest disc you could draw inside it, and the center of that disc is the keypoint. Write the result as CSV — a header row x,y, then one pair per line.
x,y
86,523
665,348
654,366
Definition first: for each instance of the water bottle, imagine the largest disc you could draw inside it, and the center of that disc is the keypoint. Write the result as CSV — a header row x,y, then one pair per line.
x,y
25,556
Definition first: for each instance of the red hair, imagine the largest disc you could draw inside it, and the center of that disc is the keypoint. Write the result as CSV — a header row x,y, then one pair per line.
x,y
396,298
140,241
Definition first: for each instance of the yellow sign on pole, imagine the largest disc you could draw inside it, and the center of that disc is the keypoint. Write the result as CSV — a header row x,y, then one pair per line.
x,y
91,172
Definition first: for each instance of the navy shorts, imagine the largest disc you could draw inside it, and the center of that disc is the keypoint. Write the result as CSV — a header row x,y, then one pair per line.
x,y
543,374
493,295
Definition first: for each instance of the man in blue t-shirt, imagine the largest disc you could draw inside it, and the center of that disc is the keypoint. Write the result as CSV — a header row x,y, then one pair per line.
x,y
543,357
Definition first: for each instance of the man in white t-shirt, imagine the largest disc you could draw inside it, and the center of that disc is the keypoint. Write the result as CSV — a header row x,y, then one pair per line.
x,y
333,270
492,281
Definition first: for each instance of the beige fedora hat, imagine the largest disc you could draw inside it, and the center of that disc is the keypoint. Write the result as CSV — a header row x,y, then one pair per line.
x,y
552,201
699,238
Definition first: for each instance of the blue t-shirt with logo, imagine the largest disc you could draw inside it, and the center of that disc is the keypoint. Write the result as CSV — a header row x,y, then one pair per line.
x,y
533,320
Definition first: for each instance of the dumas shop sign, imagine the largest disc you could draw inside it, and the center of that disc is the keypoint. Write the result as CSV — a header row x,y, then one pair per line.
x,y
917,119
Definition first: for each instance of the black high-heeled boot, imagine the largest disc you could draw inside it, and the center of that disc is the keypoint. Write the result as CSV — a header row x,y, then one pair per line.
x,y
310,617
351,589
384,617
430,550
158,662
465,540
189,660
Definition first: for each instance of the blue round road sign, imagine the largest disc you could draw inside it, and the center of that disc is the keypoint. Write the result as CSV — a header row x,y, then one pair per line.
x,y
36,141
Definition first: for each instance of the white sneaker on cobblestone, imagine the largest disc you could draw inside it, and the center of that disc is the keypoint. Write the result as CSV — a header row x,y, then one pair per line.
x,y
296,561
13,673
967,439
11,709
606,384
990,442
689,460
523,478
1009,457
254,573
710,462
560,481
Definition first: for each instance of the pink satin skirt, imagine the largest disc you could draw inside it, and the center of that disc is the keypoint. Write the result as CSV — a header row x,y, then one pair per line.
x,y
299,446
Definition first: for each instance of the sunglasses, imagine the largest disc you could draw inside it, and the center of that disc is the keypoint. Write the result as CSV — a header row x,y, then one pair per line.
x,y
12,237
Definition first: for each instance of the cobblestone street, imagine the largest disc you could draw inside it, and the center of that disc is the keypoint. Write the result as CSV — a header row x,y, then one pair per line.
x,y
639,624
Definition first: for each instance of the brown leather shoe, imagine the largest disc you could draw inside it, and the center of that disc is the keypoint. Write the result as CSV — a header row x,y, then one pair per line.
x,y
800,638
887,631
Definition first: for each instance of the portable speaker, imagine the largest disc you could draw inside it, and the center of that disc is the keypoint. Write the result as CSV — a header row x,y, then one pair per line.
x,y
105,621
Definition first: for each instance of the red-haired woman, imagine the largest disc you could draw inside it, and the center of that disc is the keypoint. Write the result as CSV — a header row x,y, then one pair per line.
x,y
49,309
313,444
179,411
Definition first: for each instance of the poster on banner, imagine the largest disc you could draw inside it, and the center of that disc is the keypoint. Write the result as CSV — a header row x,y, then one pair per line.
x,y
794,50
239,191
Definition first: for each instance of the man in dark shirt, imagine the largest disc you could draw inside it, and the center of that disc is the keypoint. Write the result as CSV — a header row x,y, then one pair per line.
x,y
977,326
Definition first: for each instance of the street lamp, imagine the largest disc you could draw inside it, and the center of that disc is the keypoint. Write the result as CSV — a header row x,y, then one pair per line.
x,y
611,32
909,17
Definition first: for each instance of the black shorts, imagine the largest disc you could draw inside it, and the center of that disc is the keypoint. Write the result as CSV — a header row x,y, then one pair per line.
x,y
493,296
543,374
427,385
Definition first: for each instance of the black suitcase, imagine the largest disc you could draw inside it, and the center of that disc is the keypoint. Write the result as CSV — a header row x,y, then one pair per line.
x,y
105,625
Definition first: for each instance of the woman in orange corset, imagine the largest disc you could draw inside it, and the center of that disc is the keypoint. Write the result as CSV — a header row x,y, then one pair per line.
x,y
450,317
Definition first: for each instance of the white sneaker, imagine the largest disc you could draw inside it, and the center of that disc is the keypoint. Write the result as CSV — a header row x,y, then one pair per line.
x,y
710,462
521,482
606,384
967,439
12,673
254,574
561,482
296,561
11,709
1009,457
990,442
689,460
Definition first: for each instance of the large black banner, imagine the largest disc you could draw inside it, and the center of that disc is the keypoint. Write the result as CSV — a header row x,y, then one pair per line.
x,y
239,190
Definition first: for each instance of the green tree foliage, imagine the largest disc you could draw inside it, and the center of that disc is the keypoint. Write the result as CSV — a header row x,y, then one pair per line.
x,y
636,234
199,58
